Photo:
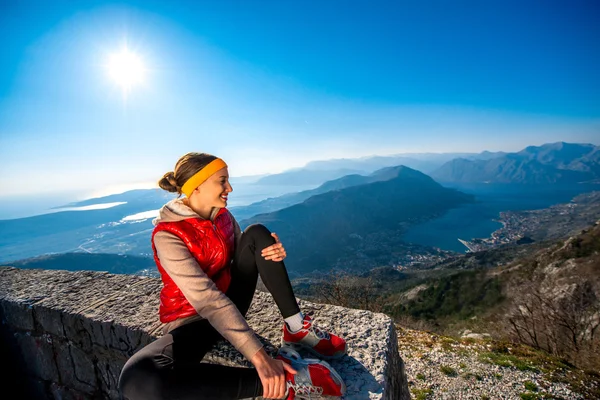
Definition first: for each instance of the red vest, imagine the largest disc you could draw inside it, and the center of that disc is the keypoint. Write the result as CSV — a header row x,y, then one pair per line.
x,y
211,244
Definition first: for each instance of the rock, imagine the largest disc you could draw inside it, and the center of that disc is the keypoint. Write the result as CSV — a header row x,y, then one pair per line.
x,y
467,334
85,317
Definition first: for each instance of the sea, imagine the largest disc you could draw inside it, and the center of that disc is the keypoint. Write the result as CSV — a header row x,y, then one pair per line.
x,y
480,219
122,226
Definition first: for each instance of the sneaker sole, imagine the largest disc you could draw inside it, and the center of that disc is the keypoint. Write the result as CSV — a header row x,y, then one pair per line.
x,y
299,346
295,357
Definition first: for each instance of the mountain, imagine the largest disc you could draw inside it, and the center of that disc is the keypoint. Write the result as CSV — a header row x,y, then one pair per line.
x,y
317,172
289,199
485,155
373,163
424,162
305,177
330,225
560,162
560,154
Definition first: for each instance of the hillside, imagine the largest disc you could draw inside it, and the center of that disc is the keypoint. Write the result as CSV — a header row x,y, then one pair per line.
x,y
546,295
469,367
355,222
520,321
289,199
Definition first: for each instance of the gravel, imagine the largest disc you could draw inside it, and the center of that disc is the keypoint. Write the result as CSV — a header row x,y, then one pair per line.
x,y
444,368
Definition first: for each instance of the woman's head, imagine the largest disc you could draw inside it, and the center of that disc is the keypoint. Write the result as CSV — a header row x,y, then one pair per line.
x,y
202,177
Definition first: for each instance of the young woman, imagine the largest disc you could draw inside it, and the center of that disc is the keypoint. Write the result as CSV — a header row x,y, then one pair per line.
x,y
209,270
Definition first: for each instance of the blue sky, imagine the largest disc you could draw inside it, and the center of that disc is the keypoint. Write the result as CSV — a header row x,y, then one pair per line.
x,y
271,85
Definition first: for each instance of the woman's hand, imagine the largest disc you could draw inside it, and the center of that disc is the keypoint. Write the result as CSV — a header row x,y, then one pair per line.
x,y
275,252
272,374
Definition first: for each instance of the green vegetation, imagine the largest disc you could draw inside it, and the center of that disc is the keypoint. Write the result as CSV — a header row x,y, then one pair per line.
x,y
535,396
507,361
555,369
448,371
584,245
421,394
421,376
447,343
530,386
461,296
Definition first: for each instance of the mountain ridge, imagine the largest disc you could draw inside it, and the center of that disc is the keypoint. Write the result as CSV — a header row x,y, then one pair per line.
x,y
325,225
558,162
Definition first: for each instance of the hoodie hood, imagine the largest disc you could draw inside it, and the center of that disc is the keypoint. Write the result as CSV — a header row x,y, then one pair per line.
x,y
176,210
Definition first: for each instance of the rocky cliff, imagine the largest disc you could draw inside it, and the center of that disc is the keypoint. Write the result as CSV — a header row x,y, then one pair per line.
x,y
68,334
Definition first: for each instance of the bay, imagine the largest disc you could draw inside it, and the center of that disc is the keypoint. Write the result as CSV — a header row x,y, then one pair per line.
x,y
478,220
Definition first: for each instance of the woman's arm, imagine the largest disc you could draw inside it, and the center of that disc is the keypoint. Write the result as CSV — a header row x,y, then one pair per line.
x,y
271,373
202,293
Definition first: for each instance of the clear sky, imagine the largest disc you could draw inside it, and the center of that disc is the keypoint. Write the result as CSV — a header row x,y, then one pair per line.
x,y
271,85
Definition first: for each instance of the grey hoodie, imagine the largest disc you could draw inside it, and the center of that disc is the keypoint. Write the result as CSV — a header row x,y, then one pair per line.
x,y
199,290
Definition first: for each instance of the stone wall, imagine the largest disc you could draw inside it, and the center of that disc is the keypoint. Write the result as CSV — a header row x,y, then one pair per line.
x,y
66,335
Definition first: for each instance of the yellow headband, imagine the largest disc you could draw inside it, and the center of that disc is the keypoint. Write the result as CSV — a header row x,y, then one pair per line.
x,y
202,175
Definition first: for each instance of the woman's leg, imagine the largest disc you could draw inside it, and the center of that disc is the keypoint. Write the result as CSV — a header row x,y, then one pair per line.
x,y
248,264
298,329
170,368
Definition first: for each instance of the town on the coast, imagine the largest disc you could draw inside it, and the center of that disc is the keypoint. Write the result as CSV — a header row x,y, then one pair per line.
x,y
521,227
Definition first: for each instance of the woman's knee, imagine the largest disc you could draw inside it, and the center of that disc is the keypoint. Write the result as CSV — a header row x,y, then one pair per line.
x,y
140,379
260,233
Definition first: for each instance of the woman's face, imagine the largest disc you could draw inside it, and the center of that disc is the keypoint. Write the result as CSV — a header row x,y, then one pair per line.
x,y
211,193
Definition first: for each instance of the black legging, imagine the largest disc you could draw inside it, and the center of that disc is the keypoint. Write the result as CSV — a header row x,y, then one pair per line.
x,y
170,368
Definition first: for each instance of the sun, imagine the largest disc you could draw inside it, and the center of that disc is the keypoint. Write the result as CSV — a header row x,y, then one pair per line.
x,y
126,68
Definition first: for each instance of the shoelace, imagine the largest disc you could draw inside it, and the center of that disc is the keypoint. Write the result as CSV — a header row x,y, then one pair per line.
x,y
305,389
320,334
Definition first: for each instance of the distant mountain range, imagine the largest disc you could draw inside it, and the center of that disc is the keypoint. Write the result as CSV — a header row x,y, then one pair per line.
x,y
287,200
317,172
342,220
319,230
550,163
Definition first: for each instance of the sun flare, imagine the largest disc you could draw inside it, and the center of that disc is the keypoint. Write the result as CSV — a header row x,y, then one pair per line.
x,y
126,68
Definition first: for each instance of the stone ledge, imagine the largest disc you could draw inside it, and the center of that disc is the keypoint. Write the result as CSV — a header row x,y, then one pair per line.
x,y
65,321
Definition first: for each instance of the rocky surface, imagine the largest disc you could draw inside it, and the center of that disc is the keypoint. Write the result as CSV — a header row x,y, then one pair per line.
x,y
75,330
440,367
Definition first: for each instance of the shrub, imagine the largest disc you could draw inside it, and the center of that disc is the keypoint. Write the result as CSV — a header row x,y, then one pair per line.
x,y
530,386
448,371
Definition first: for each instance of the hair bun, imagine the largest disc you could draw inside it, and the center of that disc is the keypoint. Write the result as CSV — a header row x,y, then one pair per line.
x,y
168,182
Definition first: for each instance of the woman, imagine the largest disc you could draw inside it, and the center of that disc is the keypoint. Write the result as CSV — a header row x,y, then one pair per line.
x,y
209,270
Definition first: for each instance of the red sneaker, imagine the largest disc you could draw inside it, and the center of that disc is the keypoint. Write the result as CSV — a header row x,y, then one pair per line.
x,y
311,338
313,379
